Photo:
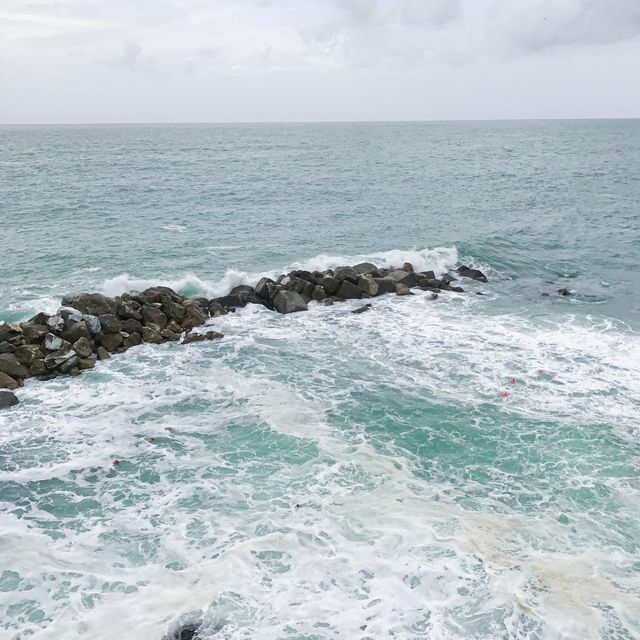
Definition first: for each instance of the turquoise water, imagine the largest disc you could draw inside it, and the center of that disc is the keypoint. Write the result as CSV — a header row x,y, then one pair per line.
x,y
324,475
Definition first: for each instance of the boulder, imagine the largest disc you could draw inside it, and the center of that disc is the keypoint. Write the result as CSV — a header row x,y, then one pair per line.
x,y
171,336
327,302
365,268
83,347
39,318
86,363
75,331
67,313
37,367
109,323
368,285
7,382
474,274
102,353
152,315
194,318
27,353
428,274
348,290
564,292
151,333
330,284
318,293
263,287
131,325
159,294
7,347
110,341
402,289
55,324
9,364
173,310
172,325
456,289
399,276
216,309
62,359
34,333
408,267
129,309
362,309
8,399
94,304
133,339
201,337
9,331
446,280
53,342
70,364
289,302
346,273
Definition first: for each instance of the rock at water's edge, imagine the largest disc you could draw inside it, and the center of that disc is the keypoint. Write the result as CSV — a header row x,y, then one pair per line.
x,y
8,399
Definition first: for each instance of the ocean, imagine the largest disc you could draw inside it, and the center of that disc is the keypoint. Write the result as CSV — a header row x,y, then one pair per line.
x,y
326,475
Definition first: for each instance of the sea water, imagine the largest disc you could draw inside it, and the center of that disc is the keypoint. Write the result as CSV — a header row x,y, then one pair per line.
x,y
327,475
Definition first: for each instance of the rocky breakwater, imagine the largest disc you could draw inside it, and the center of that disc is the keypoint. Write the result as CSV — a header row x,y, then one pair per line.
x,y
90,326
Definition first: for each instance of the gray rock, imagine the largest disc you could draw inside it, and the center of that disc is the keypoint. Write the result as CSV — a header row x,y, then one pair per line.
x,y
102,353
87,363
216,309
173,310
263,288
346,273
58,358
194,318
68,314
75,331
402,289
8,399
10,365
69,364
34,333
109,323
368,285
94,304
289,302
83,347
447,279
348,290
564,292
362,309
93,324
402,277
55,324
110,341
152,334
131,325
37,367
7,382
475,274
365,268
129,309
318,293
152,315
27,353
52,342
330,284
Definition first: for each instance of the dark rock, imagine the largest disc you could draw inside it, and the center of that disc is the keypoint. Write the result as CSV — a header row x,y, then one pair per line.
x,y
327,302
75,331
133,339
131,325
263,288
37,368
27,353
173,310
86,363
152,334
109,323
403,289
433,296
53,342
456,289
39,318
159,294
9,331
70,365
289,302
330,284
9,399
94,304
83,347
362,309
408,267
346,273
230,302
348,290
7,347
365,268
110,341
152,315
66,313
399,276
172,336
216,309
129,310
195,317
368,285
34,333
544,294
102,353
7,382
318,293
9,364
172,325
447,279
385,285
200,337
474,274
564,292
430,275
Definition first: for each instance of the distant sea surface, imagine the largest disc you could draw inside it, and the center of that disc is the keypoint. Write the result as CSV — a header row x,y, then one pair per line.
x,y
325,475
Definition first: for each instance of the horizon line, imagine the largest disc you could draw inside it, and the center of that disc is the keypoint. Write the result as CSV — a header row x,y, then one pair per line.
x,y
308,122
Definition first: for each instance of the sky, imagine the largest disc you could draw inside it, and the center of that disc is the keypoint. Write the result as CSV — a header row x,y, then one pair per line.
x,y
68,61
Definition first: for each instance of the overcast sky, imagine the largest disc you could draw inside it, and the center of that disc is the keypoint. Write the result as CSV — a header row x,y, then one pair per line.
x,y
317,60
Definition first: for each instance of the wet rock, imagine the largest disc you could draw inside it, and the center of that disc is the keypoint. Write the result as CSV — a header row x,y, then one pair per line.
x,y
362,309
201,337
70,365
408,267
368,285
7,347
348,290
129,309
152,334
53,342
69,314
102,353
430,275
9,399
34,333
75,331
456,289
318,293
564,292
173,310
170,336
9,364
109,323
327,302
193,318
365,268
86,363
39,318
433,296
131,325
7,382
37,367
385,285
133,339
55,324
27,353
110,341
403,289
216,309
62,359
447,279
330,284
152,315
83,347
94,304
263,288
9,331
289,302
346,273
160,294
400,276
544,294
474,274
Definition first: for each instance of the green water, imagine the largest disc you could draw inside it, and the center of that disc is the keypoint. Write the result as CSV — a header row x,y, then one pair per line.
x,y
324,475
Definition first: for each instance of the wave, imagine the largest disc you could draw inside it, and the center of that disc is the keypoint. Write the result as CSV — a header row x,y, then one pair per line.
x,y
438,259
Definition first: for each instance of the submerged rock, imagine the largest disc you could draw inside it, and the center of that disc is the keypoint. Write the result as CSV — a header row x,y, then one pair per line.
x,y
564,292
201,337
8,399
362,309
